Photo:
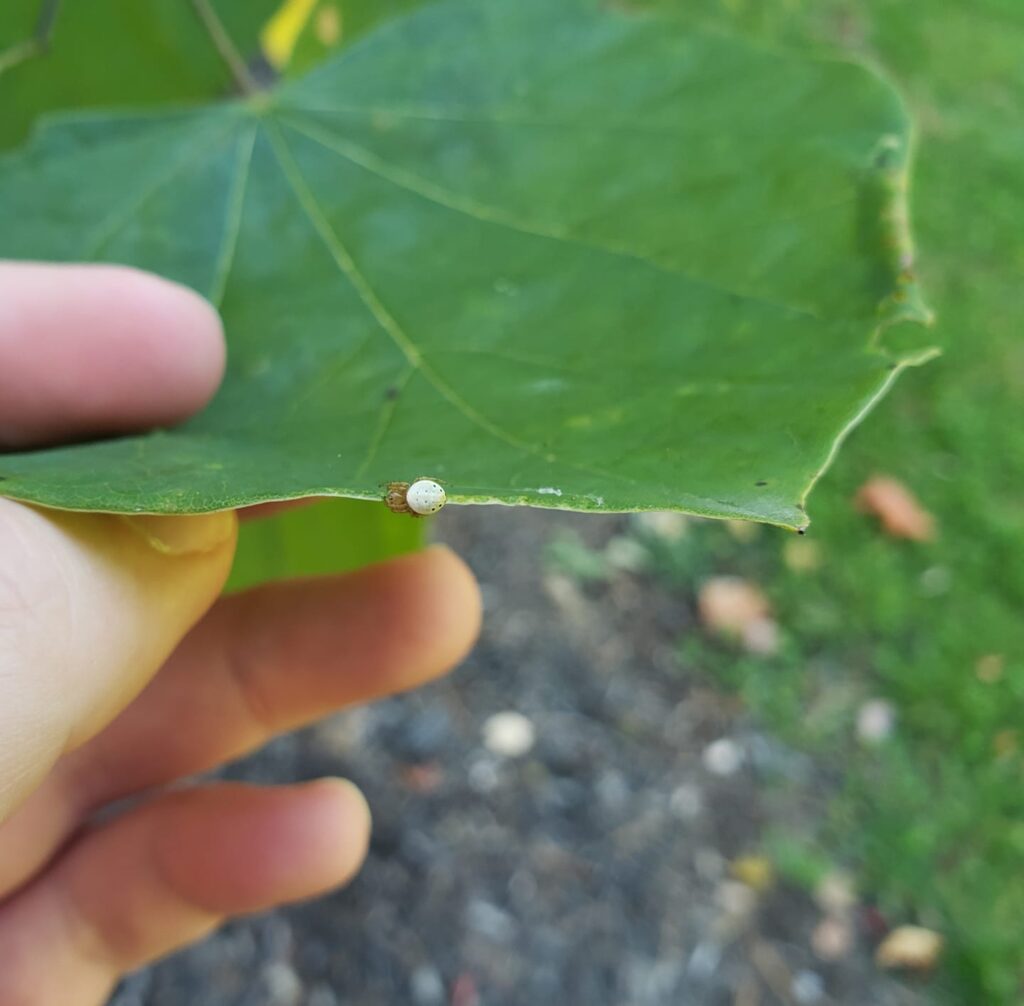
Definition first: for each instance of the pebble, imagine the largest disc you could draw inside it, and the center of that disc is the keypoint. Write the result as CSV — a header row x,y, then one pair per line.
x,y
483,775
626,554
875,721
426,985
508,734
808,989
722,757
704,960
322,996
736,900
663,524
761,637
835,893
612,791
686,802
832,938
489,920
283,986
422,735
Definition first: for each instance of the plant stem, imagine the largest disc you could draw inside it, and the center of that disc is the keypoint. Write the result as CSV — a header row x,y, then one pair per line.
x,y
244,80
38,43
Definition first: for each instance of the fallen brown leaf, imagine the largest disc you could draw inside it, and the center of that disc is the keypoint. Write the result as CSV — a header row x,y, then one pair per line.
x,y
911,947
732,606
897,509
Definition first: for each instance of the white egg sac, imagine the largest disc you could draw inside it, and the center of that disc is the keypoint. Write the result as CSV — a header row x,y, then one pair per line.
x,y
424,497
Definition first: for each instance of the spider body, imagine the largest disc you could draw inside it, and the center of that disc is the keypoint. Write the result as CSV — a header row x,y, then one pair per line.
x,y
420,498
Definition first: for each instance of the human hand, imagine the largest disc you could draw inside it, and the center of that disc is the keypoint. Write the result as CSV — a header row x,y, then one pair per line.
x,y
121,672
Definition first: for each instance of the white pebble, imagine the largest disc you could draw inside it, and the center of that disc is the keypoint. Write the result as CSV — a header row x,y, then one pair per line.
x,y
686,802
664,524
426,985
723,757
509,734
808,989
875,721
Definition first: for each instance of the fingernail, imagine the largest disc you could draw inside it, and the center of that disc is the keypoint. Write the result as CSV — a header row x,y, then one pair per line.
x,y
184,535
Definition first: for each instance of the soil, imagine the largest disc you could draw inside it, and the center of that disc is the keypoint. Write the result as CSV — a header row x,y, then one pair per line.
x,y
593,869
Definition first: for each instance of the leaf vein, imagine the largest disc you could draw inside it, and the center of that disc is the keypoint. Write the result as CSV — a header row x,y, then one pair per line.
x,y
232,218
343,259
411,182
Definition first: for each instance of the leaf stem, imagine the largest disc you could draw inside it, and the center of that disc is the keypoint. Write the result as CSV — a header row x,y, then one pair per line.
x,y
38,43
244,80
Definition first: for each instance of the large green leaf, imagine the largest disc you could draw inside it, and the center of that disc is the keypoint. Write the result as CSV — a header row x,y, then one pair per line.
x,y
552,254
103,52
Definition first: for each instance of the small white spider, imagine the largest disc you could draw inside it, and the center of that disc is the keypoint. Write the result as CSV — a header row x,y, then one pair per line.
x,y
420,499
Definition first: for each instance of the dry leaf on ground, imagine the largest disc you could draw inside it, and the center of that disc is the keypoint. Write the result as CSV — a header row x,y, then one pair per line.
x,y
912,947
733,606
901,515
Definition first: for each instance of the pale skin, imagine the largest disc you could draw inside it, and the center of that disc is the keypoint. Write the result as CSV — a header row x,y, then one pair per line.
x,y
121,670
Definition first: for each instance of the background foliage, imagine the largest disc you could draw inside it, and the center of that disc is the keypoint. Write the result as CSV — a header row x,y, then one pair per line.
x,y
933,819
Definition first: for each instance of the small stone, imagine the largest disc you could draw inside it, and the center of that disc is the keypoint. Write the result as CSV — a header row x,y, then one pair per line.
x,y
421,736
508,734
663,524
686,802
761,637
483,776
704,960
835,893
282,984
625,553
722,757
322,996
875,721
935,581
808,988
736,900
832,938
489,920
709,863
426,986
612,791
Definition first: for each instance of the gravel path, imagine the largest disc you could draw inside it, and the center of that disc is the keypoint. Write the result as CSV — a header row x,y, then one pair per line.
x,y
575,852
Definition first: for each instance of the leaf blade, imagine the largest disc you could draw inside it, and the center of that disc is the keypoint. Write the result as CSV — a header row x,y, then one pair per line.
x,y
598,318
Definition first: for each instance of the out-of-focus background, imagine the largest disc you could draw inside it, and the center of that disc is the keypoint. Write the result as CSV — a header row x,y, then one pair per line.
x,y
703,763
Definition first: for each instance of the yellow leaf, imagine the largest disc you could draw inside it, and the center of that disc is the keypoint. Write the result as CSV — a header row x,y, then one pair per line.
x,y
911,947
754,871
282,31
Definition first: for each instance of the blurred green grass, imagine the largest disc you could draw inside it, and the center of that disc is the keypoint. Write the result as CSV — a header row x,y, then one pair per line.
x,y
933,818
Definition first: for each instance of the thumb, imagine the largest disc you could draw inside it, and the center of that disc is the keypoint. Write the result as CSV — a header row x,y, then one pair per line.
x,y
90,607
